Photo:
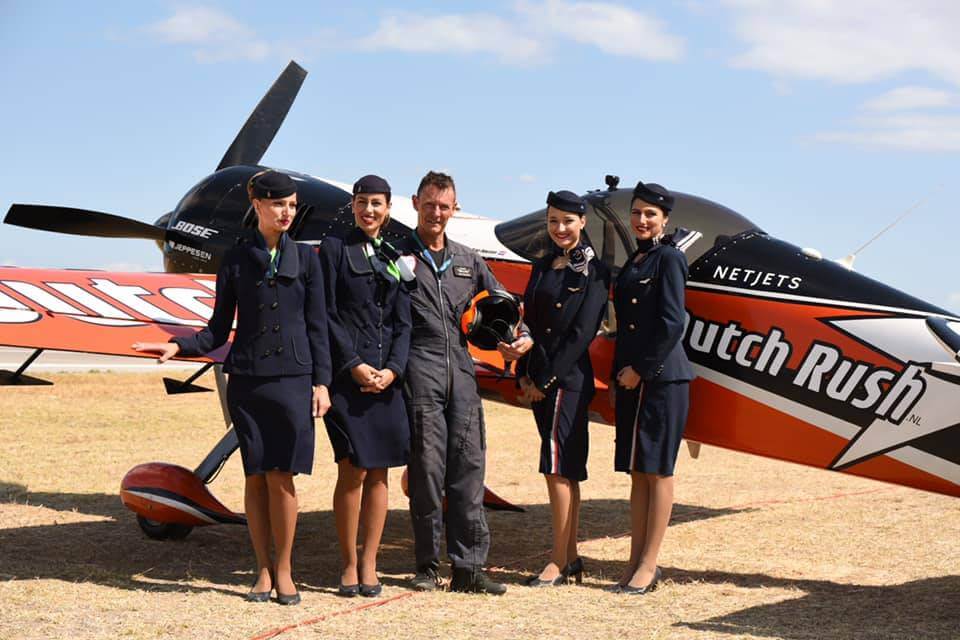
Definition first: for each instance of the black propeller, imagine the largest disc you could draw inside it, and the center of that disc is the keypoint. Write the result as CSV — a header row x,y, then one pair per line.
x,y
247,148
262,125
81,222
947,337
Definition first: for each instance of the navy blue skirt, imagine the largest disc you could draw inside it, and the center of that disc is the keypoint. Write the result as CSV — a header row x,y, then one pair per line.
x,y
650,423
564,440
371,429
273,418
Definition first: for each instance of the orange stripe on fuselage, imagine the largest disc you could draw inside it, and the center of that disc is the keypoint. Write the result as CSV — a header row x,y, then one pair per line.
x,y
731,420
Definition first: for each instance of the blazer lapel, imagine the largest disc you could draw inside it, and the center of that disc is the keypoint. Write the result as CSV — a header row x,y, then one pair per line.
x,y
289,266
257,250
356,257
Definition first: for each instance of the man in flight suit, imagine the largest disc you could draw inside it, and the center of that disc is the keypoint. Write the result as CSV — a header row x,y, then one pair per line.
x,y
448,440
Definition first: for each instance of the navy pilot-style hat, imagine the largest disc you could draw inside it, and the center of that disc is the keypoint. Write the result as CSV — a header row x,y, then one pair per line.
x,y
567,201
371,184
654,194
270,185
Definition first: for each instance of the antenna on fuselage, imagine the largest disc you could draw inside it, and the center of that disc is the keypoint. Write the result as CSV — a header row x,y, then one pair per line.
x,y
848,260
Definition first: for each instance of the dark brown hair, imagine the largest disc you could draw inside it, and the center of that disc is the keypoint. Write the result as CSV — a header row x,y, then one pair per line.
x,y
436,179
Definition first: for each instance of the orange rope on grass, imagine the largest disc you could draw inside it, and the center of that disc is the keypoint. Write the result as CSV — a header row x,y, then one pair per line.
x,y
273,633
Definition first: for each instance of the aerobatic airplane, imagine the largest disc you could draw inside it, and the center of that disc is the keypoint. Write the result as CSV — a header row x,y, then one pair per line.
x,y
798,358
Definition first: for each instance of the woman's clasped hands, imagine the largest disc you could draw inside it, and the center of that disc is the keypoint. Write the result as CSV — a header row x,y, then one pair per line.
x,y
372,380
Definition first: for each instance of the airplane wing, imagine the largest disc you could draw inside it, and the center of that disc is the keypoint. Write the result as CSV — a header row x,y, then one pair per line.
x,y
101,311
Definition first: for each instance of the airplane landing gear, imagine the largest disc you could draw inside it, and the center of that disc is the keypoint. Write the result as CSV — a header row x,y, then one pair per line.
x,y
163,530
170,500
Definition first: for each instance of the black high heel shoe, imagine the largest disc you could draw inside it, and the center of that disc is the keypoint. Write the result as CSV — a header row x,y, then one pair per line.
x,y
639,591
259,596
535,581
288,599
574,570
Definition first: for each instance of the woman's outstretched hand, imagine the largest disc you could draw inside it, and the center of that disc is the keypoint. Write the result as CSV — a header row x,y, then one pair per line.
x,y
166,349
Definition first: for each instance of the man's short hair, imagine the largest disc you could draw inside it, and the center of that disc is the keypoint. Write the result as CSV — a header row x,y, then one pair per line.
x,y
436,179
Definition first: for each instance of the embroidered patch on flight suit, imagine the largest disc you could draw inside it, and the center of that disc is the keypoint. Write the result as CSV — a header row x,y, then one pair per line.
x,y
463,272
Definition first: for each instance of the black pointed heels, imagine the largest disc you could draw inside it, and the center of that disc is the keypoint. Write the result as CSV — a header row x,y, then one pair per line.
x,y
639,591
572,570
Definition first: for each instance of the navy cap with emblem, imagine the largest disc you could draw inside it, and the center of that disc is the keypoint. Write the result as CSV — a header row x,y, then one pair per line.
x,y
654,194
272,184
371,184
567,201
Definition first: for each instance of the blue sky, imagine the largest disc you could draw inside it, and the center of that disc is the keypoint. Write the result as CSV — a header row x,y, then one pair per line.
x,y
820,121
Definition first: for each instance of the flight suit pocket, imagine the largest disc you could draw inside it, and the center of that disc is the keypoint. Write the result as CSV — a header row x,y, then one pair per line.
x,y
482,425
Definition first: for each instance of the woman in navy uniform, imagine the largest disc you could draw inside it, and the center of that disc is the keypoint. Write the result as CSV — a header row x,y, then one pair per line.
x,y
279,366
563,306
652,377
367,290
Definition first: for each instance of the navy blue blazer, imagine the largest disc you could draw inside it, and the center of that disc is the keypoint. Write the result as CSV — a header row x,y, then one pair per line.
x,y
369,317
563,322
281,320
649,301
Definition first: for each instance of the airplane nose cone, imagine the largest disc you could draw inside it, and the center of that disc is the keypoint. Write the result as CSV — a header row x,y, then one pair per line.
x,y
164,221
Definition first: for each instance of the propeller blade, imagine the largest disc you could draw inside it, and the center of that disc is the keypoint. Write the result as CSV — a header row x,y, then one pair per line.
x,y
262,125
80,222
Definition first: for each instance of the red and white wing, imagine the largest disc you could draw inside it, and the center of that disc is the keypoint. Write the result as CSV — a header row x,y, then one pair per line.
x,y
101,311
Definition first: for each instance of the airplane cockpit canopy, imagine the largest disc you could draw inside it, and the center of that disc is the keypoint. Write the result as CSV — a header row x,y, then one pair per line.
x,y
608,226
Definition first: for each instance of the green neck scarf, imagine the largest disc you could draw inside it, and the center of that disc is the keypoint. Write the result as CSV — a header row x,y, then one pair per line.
x,y
375,254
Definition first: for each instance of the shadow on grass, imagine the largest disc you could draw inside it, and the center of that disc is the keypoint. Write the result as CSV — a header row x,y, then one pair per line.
x,y
116,553
95,504
919,609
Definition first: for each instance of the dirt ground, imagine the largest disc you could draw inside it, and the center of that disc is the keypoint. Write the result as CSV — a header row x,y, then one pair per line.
x,y
756,548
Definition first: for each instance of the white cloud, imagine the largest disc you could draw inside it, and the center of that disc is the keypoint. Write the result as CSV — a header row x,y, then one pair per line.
x,y
463,33
216,36
905,98
8,262
527,36
849,41
199,25
858,41
612,28
914,132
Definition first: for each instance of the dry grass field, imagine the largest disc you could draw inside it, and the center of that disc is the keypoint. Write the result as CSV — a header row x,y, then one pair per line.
x,y
757,548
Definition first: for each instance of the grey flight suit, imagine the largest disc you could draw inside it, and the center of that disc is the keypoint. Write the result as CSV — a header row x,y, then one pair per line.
x,y
448,439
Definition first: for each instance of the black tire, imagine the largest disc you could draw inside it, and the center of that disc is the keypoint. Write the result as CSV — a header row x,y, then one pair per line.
x,y
163,530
